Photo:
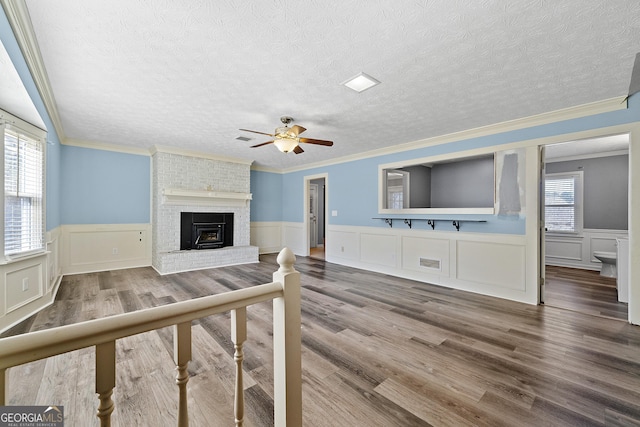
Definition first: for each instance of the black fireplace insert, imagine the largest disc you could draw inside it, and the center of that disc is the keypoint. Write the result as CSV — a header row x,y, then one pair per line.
x,y
205,230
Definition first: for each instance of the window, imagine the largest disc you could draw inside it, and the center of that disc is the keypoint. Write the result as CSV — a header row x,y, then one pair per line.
x,y
397,183
563,202
23,161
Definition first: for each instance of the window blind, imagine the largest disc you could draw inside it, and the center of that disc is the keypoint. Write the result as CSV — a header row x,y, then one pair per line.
x,y
23,193
560,206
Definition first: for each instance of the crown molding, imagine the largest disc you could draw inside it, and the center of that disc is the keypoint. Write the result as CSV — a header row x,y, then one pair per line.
x,y
172,150
271,170
106,146
584,110
18,17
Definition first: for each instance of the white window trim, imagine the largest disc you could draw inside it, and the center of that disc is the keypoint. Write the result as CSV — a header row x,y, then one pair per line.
x,y
9,121
404,188
578,178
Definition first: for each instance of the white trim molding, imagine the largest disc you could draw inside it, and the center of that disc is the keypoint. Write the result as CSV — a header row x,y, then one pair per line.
x,y
18,17
585,110
176,196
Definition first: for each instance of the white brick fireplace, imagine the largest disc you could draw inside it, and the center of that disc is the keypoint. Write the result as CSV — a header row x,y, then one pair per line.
x,y
185,183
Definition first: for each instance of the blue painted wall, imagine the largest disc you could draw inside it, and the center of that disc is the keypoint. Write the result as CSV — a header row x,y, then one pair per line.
x,y
53,147
105,187
266,190
352,186
84,186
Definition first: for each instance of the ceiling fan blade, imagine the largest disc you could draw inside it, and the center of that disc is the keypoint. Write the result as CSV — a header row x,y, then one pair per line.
x,y
255,131
298,150
260,145
297,129
317,141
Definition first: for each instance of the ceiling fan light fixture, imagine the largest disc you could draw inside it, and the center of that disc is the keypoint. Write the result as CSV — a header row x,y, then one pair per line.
x,y
286,145
361,82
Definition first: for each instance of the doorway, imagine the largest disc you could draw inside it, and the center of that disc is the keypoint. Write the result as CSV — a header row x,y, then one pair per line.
x,y
584,208
316,216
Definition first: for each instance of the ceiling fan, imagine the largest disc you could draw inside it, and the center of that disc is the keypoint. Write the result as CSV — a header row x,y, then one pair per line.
x,y
287,139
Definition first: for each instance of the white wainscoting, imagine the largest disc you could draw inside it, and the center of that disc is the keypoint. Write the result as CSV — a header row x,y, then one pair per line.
x,y
267,236
576,251
271,237
98,247
54,269
29,284
490,264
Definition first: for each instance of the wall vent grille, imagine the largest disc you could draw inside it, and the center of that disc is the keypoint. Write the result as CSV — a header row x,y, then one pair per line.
x,y
430,263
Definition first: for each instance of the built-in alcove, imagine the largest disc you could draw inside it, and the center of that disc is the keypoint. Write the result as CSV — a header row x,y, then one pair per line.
x,y
450,186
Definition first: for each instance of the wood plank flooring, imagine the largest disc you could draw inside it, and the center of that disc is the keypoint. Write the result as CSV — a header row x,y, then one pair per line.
x,y
377,351
584,291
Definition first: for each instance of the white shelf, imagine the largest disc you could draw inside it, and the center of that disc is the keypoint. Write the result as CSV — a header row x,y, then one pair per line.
x,y
176,196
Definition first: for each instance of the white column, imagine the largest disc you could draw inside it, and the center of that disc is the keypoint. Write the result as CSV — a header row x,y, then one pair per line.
x,y
105,380
239,336
286,345
181,357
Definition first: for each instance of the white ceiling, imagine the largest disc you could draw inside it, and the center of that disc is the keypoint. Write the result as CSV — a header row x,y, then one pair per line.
x,y
189,74
587,147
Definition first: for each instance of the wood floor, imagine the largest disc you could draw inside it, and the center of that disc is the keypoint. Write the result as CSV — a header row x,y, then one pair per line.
x,y
584,291
377,351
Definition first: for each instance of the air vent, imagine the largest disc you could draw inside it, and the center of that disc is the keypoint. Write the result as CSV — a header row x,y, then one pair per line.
x,y
430,263
243,138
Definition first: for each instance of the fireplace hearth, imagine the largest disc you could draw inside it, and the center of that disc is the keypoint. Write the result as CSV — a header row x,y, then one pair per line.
x,y
205,230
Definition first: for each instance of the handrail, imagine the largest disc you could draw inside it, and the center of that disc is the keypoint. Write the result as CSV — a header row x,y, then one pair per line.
x,y
103,333
26,348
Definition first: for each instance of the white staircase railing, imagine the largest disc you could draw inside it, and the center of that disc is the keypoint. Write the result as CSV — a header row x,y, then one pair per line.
x,y
103,333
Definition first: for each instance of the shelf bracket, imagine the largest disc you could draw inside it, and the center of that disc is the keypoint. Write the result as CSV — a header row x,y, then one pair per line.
x,y
389,221
456,224
432,223
408,222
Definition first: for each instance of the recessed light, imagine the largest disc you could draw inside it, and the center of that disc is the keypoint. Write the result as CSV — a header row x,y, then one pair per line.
x,y
361,82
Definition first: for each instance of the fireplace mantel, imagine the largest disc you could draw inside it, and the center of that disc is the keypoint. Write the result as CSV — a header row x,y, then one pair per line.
x,y
176,196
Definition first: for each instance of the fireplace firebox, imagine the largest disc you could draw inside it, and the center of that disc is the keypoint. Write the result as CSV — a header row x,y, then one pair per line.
x,y
205,230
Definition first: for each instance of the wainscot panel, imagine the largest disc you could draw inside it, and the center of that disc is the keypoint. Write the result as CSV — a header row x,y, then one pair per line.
x,y
293,237
426,255
564,249
29,284
576,251
23,289
489,264
378,249
267,236
99,247
342,244
496,263
24,283
54,270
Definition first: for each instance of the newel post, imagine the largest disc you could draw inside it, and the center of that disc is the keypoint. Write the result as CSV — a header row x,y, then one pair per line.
x,y
287,370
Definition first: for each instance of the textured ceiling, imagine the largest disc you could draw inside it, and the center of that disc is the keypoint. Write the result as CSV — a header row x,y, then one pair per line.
x,y
189,74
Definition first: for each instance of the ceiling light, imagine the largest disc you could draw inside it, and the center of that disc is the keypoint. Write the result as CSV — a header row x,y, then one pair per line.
x,y
361,82
285,145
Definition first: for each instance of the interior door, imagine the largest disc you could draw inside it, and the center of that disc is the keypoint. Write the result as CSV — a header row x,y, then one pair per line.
x,y
313,215
543,229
